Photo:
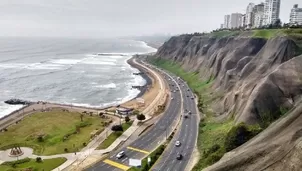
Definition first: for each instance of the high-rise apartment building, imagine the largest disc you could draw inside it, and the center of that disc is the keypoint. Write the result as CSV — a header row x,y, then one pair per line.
x,y
227,21
249,15
271,11
258,15
296,15
243,20
236,20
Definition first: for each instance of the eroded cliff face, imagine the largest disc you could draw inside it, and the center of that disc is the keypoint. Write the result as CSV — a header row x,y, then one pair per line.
x,y
256,76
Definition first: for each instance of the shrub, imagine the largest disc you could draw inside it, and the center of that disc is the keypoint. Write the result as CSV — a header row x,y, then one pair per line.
x,y
84,144
240,134
127,119
40,138
65,150
140,117
117,128
11,163
38,159
212,150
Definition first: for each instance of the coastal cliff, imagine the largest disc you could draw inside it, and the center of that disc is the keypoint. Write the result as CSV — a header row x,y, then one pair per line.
x,y
256,76
258,82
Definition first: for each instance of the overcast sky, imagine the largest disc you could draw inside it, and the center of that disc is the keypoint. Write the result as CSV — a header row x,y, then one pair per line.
x,y
118,17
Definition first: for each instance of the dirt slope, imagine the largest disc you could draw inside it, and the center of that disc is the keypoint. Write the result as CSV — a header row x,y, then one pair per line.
x,y
260,80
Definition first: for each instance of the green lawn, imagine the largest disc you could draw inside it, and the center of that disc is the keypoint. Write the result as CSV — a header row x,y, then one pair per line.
x,y
52,126
46,165
268,33
225,33
113,136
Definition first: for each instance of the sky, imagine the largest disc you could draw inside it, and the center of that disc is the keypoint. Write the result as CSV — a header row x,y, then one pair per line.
x,y
113,18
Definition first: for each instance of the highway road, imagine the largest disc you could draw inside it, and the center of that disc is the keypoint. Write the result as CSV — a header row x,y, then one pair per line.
x,y
187,135
147,142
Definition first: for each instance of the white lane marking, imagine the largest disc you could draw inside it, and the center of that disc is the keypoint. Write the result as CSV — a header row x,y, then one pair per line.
x,y
124,159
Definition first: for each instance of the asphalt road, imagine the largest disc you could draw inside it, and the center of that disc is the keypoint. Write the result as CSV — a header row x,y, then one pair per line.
x,y
187,136
148,141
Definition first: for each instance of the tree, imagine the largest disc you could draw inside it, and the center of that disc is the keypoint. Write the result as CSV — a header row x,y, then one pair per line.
x,y
81,117
117,128
127,119
101,114
140,117
40,138
277,23
38,159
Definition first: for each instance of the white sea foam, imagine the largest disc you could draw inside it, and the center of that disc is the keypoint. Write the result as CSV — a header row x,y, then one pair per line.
x,y
6,109
111,85
31,66
66,61
94,61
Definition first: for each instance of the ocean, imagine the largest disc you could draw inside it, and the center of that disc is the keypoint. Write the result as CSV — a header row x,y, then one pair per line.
x,y
81,72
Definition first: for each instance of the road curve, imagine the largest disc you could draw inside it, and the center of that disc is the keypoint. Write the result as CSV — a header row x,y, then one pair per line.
x,y
149,141
187,135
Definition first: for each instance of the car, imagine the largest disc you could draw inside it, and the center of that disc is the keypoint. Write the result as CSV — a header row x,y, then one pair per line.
x,y
120,154
174,91
177,143
192,98
179,156
187,95
188,89
186,115
186,110
190,112
172,98
183,85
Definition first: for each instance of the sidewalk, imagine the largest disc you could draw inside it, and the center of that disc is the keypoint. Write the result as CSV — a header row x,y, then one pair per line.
x,y
93,155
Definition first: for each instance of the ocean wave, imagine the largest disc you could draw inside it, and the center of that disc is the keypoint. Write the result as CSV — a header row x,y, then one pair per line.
x,y
111,85
66,61
6,109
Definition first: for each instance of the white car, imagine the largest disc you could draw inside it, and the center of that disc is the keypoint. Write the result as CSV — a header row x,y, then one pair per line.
x,y
177,143
120,154
172,98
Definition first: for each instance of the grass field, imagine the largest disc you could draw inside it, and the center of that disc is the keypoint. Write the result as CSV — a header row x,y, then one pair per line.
x,y
46,165
52,126
113,136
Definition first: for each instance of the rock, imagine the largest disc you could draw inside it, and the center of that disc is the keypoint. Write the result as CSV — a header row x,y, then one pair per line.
x,y
17,102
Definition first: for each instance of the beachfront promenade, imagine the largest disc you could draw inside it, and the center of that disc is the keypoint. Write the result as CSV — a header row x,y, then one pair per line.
x,y
89,154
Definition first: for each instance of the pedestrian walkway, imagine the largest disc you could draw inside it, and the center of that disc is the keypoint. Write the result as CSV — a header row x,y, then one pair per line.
x,y
75,159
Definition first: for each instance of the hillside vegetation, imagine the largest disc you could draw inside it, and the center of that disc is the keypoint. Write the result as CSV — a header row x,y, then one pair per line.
x,y
245,81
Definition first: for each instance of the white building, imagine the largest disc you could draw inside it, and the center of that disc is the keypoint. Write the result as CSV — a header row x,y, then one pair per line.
x,y
258,15
271,11
296,15
221,26
236,20
227,21
249,15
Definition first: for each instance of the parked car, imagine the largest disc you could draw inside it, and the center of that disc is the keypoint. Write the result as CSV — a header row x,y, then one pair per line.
x,y
190,112
179,156
172,98
177,143
120,154
186,115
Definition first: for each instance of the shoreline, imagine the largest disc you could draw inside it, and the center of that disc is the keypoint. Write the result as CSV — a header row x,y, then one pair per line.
x,y
28,109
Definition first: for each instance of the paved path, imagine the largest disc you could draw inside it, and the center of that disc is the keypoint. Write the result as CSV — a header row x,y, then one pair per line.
x,y
74,159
